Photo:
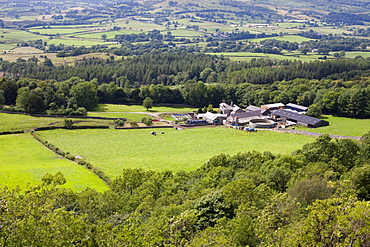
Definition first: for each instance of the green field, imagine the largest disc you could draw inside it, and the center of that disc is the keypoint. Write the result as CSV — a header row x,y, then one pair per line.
x,y
19,122
184,33
12,36
24,161
54,31
290,38
246,56
140,108
129,116
76,42
341,126
112,150
353,54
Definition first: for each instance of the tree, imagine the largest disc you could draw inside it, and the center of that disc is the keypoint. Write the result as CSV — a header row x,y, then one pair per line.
x,y
68,123
147,121
148,103
314,110
85,94
104,36
2,98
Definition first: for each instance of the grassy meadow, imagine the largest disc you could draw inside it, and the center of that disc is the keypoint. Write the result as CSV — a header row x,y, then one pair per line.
x,y
129,116
19,122
112,150
23,162
341,126
140,108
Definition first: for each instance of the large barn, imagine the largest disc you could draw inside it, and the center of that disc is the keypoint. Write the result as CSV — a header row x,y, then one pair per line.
x,y
299,118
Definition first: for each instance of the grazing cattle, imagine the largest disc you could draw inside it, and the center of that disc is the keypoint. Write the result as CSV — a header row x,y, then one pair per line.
x,y
162,133
153,133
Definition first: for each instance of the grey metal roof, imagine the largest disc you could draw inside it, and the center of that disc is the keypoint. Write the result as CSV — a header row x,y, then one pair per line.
x,y
298,117
256,108
300,107
246,114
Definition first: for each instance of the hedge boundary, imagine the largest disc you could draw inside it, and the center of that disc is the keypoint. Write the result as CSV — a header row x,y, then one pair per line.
x,y
71,157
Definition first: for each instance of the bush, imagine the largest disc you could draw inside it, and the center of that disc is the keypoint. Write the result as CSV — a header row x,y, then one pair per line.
x,y
147,121
119,122
133,124
70,157
68,123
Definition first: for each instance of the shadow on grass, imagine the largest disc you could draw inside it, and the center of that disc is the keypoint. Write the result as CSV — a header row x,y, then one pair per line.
x,y
100,108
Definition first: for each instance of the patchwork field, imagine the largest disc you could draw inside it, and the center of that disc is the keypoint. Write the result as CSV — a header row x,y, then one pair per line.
x,y
24,161
112,150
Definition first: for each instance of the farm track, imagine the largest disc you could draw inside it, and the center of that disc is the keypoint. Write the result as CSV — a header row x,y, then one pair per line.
x,y
314,134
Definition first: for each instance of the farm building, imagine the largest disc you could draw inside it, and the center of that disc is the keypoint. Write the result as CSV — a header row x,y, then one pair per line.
x,y
243,118
230,109
274,106
256,108
297,108
299,118
214,118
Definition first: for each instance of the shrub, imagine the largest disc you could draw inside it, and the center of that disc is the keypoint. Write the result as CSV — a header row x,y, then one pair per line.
x,y
119,122
133,124
70,156
68,123
147,121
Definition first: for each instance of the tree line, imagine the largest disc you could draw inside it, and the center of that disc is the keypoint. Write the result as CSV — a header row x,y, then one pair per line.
x,y
317,196
339,86
75,95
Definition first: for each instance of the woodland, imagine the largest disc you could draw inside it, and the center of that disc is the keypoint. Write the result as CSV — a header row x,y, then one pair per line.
x,y
339,87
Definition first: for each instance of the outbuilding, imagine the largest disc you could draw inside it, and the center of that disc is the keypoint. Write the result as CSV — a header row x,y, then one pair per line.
x,y
299,118
296,108
274,106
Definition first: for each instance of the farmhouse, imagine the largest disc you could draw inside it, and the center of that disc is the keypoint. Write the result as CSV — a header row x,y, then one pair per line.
x,y
298,118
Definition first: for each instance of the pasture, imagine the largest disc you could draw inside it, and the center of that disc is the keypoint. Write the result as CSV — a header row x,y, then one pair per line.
x,y
17,36
246,56
23,161
112,150
54,31
140,108
290,38
19,122
77,42
129,116
341,126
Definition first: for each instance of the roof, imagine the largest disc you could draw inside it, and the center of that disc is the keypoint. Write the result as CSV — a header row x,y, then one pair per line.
x,y
255,108
245,114
213,116
300,107
299,117
274,105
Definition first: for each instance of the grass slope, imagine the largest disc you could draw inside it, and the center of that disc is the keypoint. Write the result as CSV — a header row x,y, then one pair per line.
x,y
19,122
24,161
341,126
140,108
113,150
